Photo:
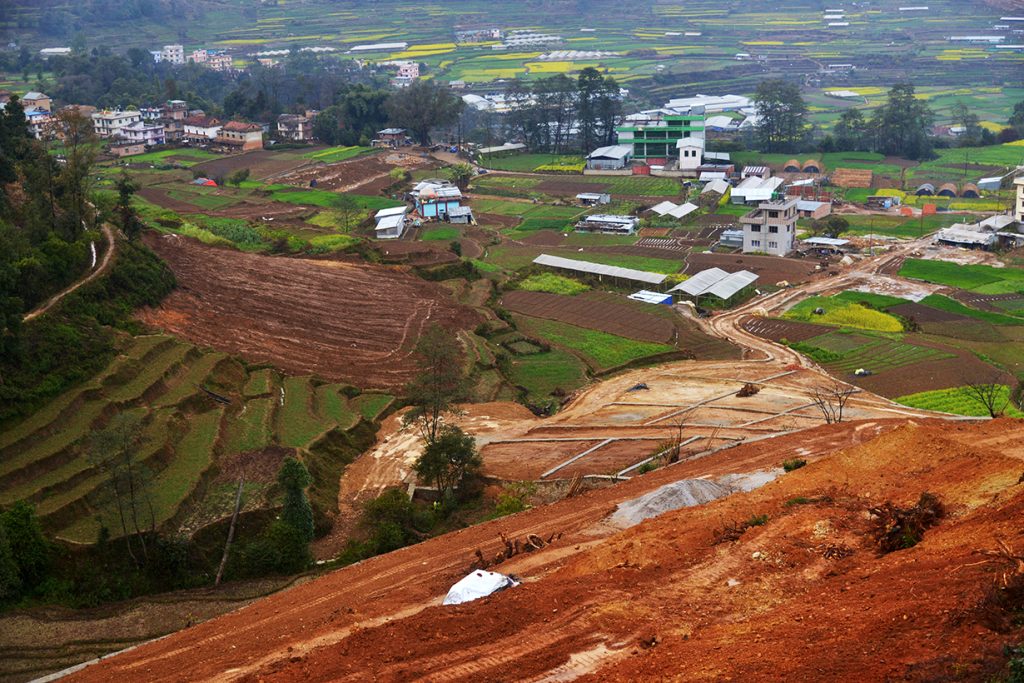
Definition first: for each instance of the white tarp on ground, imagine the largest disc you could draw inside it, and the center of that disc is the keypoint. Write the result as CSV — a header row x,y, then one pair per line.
x,y
478,585
687,493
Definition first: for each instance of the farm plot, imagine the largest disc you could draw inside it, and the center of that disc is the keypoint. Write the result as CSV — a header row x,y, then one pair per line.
x,y
262,164
876,354
617,319
768,269
287,312
519,460
779,330
976,278
601,350
960,401
347,175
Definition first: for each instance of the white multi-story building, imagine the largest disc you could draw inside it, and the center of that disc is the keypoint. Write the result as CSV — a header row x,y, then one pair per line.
x,y
219,62
201,128
108,124
1018,212
144,132
175,54
770,228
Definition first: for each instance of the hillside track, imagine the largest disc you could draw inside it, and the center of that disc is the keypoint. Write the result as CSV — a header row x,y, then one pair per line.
x,y
102,268
661,599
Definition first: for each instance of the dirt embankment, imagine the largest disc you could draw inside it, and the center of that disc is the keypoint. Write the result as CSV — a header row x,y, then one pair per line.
x,y
341,321
805,595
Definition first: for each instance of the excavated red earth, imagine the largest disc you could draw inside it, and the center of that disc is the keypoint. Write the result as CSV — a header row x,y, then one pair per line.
x,y
662,600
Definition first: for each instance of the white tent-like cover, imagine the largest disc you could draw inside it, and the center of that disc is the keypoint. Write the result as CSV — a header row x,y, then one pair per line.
x,y
478,585
717,282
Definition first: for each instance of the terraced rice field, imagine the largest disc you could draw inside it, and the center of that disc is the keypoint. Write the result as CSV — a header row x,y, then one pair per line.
x,y
49,459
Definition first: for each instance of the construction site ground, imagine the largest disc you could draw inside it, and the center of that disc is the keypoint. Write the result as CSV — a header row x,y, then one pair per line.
x,y
807,595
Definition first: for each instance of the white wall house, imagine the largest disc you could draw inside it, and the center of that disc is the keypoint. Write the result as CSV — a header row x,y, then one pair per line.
x,y
108,124
175,54
201,128
691,153
1018,212
147,133
770,228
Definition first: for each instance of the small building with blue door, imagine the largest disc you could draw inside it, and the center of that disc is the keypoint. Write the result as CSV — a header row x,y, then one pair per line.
x,y
436,199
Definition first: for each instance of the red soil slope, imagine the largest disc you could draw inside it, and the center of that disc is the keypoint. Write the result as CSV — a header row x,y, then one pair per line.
x,y
663,600
344,322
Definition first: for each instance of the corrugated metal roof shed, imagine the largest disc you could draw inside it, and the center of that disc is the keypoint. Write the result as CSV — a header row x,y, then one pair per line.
x,y
699,283
599,269
726,288
826,242
683,211
663,208
649,297
396,211
718,185
611,152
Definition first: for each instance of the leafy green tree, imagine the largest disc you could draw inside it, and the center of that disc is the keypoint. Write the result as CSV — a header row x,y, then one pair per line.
x,y
422,107
783,116
293,477
448,460
32,553
439,382
830,226
460,174
1017,118
127,216
347,209
392,521
10,578
972,133
851,132
902,125
239,177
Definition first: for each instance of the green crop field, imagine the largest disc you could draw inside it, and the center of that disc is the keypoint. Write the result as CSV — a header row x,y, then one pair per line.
x,y
335,154
371,406
875,353
844,314
952,306
47,457
441,234
976,278
959,401
542,374
600,349
552,283
527,162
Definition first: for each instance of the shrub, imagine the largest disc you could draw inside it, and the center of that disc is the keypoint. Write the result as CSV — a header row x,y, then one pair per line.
x,y
281,549
793,464
514,498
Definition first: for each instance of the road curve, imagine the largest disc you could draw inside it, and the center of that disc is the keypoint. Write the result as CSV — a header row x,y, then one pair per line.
x,y
104,266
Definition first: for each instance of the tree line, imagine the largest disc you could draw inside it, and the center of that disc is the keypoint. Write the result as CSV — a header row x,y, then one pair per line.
x,y
902,126
561,114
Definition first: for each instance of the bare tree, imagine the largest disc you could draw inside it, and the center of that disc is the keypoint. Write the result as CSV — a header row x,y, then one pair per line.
x,y
114,451
831,400
990,394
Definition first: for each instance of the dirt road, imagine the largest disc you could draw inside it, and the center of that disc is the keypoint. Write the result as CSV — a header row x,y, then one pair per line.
x,y
104,265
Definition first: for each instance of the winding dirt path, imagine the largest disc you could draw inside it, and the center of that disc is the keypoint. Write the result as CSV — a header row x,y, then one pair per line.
x,y
104,266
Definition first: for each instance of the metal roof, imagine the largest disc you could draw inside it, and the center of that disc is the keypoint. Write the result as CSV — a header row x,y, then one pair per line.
x,y
699,283
396,211
826,241
716,282
663,208
460,211
683,211
611,152
714,176
599,269
649,297
726,288
390,222
718,185
591,195
809,205
961,236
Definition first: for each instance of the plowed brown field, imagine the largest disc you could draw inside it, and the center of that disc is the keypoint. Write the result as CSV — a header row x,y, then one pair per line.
x,y
805,596
619,319
344,322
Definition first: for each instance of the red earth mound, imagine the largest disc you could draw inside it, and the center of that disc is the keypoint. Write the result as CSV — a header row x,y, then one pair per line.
x,y
802,592
341,321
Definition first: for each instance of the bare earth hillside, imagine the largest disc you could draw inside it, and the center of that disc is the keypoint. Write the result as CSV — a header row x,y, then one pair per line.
x,y
807,595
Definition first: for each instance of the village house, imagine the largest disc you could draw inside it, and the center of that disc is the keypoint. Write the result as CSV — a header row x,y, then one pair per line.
x,y
125,149
608,224
220,62
390,223
107,124
145,132
390,137
200,129
611,158
198,56
241,135
1018,212
39,121
770,228
655,136
173,54
408,71
435,198
295,127
36,100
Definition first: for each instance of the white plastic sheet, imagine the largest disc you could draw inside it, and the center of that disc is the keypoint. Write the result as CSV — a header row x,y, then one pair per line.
x,y
477,585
